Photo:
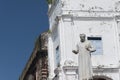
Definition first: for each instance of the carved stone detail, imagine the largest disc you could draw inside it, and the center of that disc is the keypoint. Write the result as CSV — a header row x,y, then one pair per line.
x,y
69,63
117,6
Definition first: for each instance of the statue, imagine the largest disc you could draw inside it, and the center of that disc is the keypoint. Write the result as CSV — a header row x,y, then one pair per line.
x,y
84,48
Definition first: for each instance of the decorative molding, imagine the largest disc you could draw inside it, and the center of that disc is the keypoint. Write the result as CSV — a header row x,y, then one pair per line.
x,y
104,70
117,17
69,63
70,69
91,14
57,70
117,6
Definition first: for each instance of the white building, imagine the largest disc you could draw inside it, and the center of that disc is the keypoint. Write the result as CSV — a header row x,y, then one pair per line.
x,y
100,21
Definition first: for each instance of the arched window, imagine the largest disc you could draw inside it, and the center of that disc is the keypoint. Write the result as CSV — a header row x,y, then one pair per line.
x,y
101,78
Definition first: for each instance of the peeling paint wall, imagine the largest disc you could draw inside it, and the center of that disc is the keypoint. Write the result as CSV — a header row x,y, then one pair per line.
x,y
93,27
92,5
95,18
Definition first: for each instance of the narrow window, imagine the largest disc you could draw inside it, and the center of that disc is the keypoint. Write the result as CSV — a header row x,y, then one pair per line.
x,y
97,43
57,56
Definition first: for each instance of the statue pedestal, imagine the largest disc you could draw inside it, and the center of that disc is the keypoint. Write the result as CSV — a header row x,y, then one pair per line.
x,y
71,72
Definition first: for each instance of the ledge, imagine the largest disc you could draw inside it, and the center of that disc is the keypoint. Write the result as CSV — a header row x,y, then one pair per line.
x,y
70,67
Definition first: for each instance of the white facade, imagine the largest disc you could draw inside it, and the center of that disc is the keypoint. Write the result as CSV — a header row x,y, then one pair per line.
x,y
100,21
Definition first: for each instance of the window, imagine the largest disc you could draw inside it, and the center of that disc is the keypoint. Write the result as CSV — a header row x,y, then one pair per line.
x,y
57,57
55,33
97,43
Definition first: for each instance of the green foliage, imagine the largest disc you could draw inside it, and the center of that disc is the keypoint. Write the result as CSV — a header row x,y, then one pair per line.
x,y
49,31
49,1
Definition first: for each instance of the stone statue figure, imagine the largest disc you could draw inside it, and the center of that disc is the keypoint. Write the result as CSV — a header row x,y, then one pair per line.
x,y
84,48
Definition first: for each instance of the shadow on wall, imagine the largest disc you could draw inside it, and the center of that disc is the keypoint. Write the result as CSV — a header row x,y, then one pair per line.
x,y
101,78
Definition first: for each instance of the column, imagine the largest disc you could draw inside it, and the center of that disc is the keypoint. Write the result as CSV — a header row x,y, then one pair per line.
x,y
50,58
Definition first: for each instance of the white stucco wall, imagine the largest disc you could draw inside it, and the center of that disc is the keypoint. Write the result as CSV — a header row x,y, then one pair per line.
x,y
104,29
72,17
96,28
91,5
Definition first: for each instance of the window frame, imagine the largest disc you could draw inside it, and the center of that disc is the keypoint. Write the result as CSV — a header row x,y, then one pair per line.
x,y
97,43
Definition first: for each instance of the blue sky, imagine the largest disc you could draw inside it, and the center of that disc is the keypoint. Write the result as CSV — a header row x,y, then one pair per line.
x,y
21,22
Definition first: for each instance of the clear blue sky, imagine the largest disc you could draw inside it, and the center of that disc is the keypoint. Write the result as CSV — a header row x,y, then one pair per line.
x,y
21,22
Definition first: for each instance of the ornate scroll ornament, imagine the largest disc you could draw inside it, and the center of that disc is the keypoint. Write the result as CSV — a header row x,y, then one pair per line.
x,y
117,6
70,63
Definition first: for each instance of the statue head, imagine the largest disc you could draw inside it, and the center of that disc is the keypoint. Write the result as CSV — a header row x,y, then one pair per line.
x,y
82,37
